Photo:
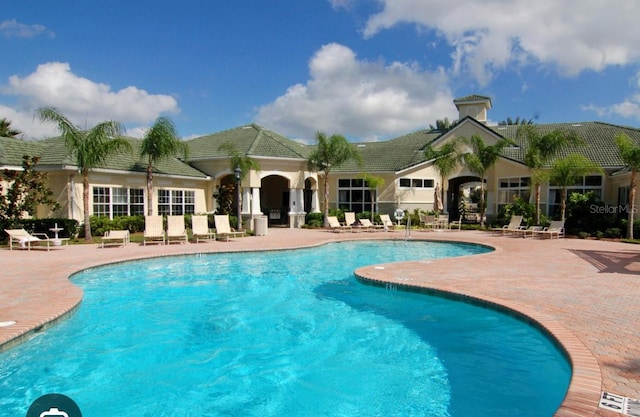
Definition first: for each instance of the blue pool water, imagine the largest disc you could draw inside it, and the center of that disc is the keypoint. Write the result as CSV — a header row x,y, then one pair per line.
x,y
288,333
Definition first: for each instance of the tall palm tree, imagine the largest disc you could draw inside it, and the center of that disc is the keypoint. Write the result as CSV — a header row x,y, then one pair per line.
x,y
630,154
330,152
244,164
160,142
569,170
540,151
90,148
6,131
480,159
373,182
443,125
446,159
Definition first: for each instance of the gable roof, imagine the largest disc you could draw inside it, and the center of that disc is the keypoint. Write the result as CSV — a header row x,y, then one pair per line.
x,y
251,140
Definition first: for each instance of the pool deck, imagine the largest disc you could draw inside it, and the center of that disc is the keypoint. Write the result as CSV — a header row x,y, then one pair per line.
x,y
584,292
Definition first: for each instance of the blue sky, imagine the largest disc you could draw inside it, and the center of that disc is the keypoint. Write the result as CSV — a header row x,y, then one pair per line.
x,y
367,69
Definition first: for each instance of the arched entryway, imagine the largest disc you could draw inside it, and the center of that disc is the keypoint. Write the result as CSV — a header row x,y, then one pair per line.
x,y
311,195
274,199
460,188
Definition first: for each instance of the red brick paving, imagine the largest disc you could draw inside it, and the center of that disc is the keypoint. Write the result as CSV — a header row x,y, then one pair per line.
x,y
584,292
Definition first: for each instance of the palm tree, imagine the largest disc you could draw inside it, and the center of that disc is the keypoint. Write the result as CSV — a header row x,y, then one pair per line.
x,y
443,125
243,164
540,150
446,159
518,121
373,183
330,152
160,142
569,170
6,131
481,158
90,148
630,154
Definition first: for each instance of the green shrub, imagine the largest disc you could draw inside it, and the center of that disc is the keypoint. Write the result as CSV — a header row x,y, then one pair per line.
x,y
101,224
613,233
518,207
314,219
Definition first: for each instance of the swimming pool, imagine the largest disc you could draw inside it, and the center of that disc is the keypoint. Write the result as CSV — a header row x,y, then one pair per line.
x,y
279,334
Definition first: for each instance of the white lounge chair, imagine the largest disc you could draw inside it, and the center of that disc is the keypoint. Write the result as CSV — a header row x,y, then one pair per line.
x,y
200,229
153,230
513,227
176,230
223,228
387,224
335,226
351,220
115,236
370,227
555,229
427,221
26,240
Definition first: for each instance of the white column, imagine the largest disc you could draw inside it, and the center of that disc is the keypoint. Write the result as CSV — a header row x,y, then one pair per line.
x,y
300,193
315,203
293,203
246,200
255,202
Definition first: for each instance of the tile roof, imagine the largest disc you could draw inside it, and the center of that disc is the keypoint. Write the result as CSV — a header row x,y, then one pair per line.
x,y
599,141
251,140
392,155
54,155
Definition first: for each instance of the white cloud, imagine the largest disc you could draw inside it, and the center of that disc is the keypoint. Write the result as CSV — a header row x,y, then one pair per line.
x,y
629,108
14,29
487,36
83,101
368,100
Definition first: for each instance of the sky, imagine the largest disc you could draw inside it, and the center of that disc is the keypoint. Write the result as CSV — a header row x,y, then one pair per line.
x,y
366,69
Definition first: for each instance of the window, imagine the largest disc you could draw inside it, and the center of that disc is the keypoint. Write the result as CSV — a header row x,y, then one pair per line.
x,y
118,201
589,183
509,189
354,195
416,183
176,202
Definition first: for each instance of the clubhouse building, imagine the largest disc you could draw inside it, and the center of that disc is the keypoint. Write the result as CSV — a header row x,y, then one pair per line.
x,y
285,190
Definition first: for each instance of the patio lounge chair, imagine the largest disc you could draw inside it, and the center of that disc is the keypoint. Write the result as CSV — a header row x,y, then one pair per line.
x,y
427,221
176,230
528,232
223,228
115,236
351,220
335,226
511,228
387,224
28,240
153,229
200,228
370,227
555,229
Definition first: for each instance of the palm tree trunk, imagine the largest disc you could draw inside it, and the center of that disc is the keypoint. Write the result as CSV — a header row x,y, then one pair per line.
x,y
326,199
563,202
149,190
537,204
85,204
632,204
482,205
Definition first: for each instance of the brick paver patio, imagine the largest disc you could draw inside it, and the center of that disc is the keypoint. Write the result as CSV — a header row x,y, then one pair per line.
x,y
584,292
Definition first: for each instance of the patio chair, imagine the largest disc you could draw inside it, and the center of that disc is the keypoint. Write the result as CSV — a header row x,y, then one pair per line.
x,y
200,228
115,236
556,228
153,230
427,221
370,227
351,220
223,228
511,228
26,240
387,224
335,226
176,230
528,232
